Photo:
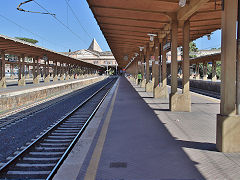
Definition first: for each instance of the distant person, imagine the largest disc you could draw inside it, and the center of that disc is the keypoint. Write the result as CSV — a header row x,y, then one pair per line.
x,y
139,78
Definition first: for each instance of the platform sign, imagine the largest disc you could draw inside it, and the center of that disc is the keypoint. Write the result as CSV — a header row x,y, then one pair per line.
x,y
167,46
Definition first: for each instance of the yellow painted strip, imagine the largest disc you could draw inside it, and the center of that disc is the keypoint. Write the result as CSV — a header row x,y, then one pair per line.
x,y
93,165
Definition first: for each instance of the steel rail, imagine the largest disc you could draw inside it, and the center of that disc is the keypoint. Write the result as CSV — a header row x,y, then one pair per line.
x,y
53,172
13,161
45,105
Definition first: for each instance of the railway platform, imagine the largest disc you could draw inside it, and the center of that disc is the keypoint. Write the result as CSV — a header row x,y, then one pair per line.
x,y
15,97
134,136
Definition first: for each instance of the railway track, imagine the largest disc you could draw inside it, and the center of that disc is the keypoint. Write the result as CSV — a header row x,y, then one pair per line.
x,y
19,116
42,158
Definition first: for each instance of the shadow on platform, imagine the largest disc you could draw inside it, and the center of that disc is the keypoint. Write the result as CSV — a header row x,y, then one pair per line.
x,y
139,138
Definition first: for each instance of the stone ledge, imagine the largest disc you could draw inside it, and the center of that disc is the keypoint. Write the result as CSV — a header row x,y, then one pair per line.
x,y
12,100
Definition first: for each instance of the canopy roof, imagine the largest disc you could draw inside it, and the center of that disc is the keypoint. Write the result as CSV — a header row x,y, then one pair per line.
x,y
126,23
18,47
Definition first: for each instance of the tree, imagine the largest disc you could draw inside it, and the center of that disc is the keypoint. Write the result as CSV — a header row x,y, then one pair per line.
x,y
192,49
33,41
218,69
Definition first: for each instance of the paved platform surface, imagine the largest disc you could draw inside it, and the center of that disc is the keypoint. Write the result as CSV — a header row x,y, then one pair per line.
x,y
29,85
138,138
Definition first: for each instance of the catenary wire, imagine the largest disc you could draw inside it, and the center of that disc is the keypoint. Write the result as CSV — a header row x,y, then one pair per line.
x,y
78,19
61,22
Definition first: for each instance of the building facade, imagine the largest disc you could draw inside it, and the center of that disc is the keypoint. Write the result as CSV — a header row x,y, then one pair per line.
x,y
95,55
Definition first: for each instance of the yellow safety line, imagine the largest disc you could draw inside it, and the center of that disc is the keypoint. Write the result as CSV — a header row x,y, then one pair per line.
x,y
93,165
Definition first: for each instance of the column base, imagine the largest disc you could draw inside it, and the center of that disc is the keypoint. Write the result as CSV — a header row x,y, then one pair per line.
x,y
160,92
204,78
3,83
72,77
228,133
67,77
62,78
180,102
149,87
21,82
36,80
136,81
47,79
55,78
214,78
197,77
143,84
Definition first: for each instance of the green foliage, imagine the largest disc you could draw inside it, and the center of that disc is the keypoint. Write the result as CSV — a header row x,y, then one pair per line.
x,y
218,69
111,72
33,41
193,47
209,70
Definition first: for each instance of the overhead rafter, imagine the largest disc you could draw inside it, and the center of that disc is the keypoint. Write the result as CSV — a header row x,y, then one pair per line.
x,y
189,9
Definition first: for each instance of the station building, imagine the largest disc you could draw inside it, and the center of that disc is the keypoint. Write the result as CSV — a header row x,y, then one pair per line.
x,y
95,55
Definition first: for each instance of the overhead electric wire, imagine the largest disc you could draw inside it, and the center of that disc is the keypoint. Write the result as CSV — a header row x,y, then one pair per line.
x,y
60,22
25,2
27,30
78,20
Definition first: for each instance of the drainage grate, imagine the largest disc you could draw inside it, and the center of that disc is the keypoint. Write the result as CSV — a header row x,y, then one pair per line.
x,y
118,165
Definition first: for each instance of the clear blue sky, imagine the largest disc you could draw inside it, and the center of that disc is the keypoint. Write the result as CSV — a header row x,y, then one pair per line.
x,y
55,36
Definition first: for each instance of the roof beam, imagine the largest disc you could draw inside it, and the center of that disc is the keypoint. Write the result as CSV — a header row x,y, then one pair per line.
x,y
188,10
127,34
130,25
134,19
126,9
